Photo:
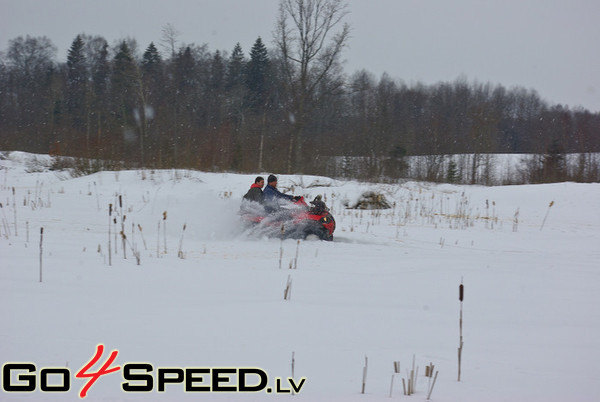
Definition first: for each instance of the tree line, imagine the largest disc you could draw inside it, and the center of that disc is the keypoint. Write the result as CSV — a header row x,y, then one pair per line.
x,y
289,108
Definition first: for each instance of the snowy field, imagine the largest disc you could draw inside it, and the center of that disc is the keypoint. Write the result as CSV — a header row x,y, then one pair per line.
x,y
386,287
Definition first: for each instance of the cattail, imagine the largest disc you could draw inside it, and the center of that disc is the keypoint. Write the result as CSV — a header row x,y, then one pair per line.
x,y
15,210
97,196
396,371
364,377
165,229
122,226
293,364
5,222
461,293
142,234
281,245
158,241
116,231
180,252
296,259
287,293
432,385
546,216
41,250
109,245
135,253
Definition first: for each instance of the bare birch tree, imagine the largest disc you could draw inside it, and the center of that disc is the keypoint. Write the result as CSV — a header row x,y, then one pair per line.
x,y
310,46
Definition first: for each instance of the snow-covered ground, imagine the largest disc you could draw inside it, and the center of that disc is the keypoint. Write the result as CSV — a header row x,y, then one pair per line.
x,y
385,288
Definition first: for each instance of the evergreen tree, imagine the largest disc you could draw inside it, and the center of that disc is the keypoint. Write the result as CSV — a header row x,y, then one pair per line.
x,y
151,60
235,68
453,174
123,85
153,95
554,163
256,74
77,78
100,72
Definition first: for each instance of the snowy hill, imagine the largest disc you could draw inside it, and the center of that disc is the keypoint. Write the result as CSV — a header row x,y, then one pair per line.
x,y
385,288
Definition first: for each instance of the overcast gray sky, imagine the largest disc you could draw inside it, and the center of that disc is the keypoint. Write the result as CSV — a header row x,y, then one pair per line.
x,y
551,46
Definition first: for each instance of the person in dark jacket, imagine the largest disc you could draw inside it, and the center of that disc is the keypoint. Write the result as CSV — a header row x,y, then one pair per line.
x,y
255,193
272,196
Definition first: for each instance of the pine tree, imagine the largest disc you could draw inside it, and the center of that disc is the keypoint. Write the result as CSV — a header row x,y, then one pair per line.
x,y
100,72
151,61
123,86
256,74
235,68
153,96
453,174
554,163
77,78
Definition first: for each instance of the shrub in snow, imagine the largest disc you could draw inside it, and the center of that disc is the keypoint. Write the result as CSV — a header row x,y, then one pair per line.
x,y
370,200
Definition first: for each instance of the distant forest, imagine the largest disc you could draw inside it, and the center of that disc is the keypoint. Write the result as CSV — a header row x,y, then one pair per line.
x,y
286,109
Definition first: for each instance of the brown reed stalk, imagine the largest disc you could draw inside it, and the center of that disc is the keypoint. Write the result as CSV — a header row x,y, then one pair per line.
x,y
296,258
109,245
15,210
461,292
142,234
123,226
158,241
165,229
180,251
135,253
293,364
432,385
5,223
287,293
41,250
281,245
546,216
364,377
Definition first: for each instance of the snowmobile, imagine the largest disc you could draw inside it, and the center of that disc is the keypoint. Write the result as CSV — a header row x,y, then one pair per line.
x,y
294,220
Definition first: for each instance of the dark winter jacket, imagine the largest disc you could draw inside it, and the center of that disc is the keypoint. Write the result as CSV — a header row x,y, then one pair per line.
x,y
272,196
254,194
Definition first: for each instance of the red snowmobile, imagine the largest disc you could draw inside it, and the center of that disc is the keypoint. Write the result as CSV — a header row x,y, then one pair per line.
x,y
295,220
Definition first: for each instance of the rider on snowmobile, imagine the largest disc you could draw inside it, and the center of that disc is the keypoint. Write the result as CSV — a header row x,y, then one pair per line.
x,y
272,196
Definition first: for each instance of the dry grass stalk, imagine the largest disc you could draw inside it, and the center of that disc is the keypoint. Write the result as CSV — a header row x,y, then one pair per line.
x,y
396,371
109,224
293,364
461,292
135,253
287,293
180,251
165,229
5,223
41,250
122,226
97,196
15,210
296,258
546,216
142,234
364,377
281,245
158,241
432,385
